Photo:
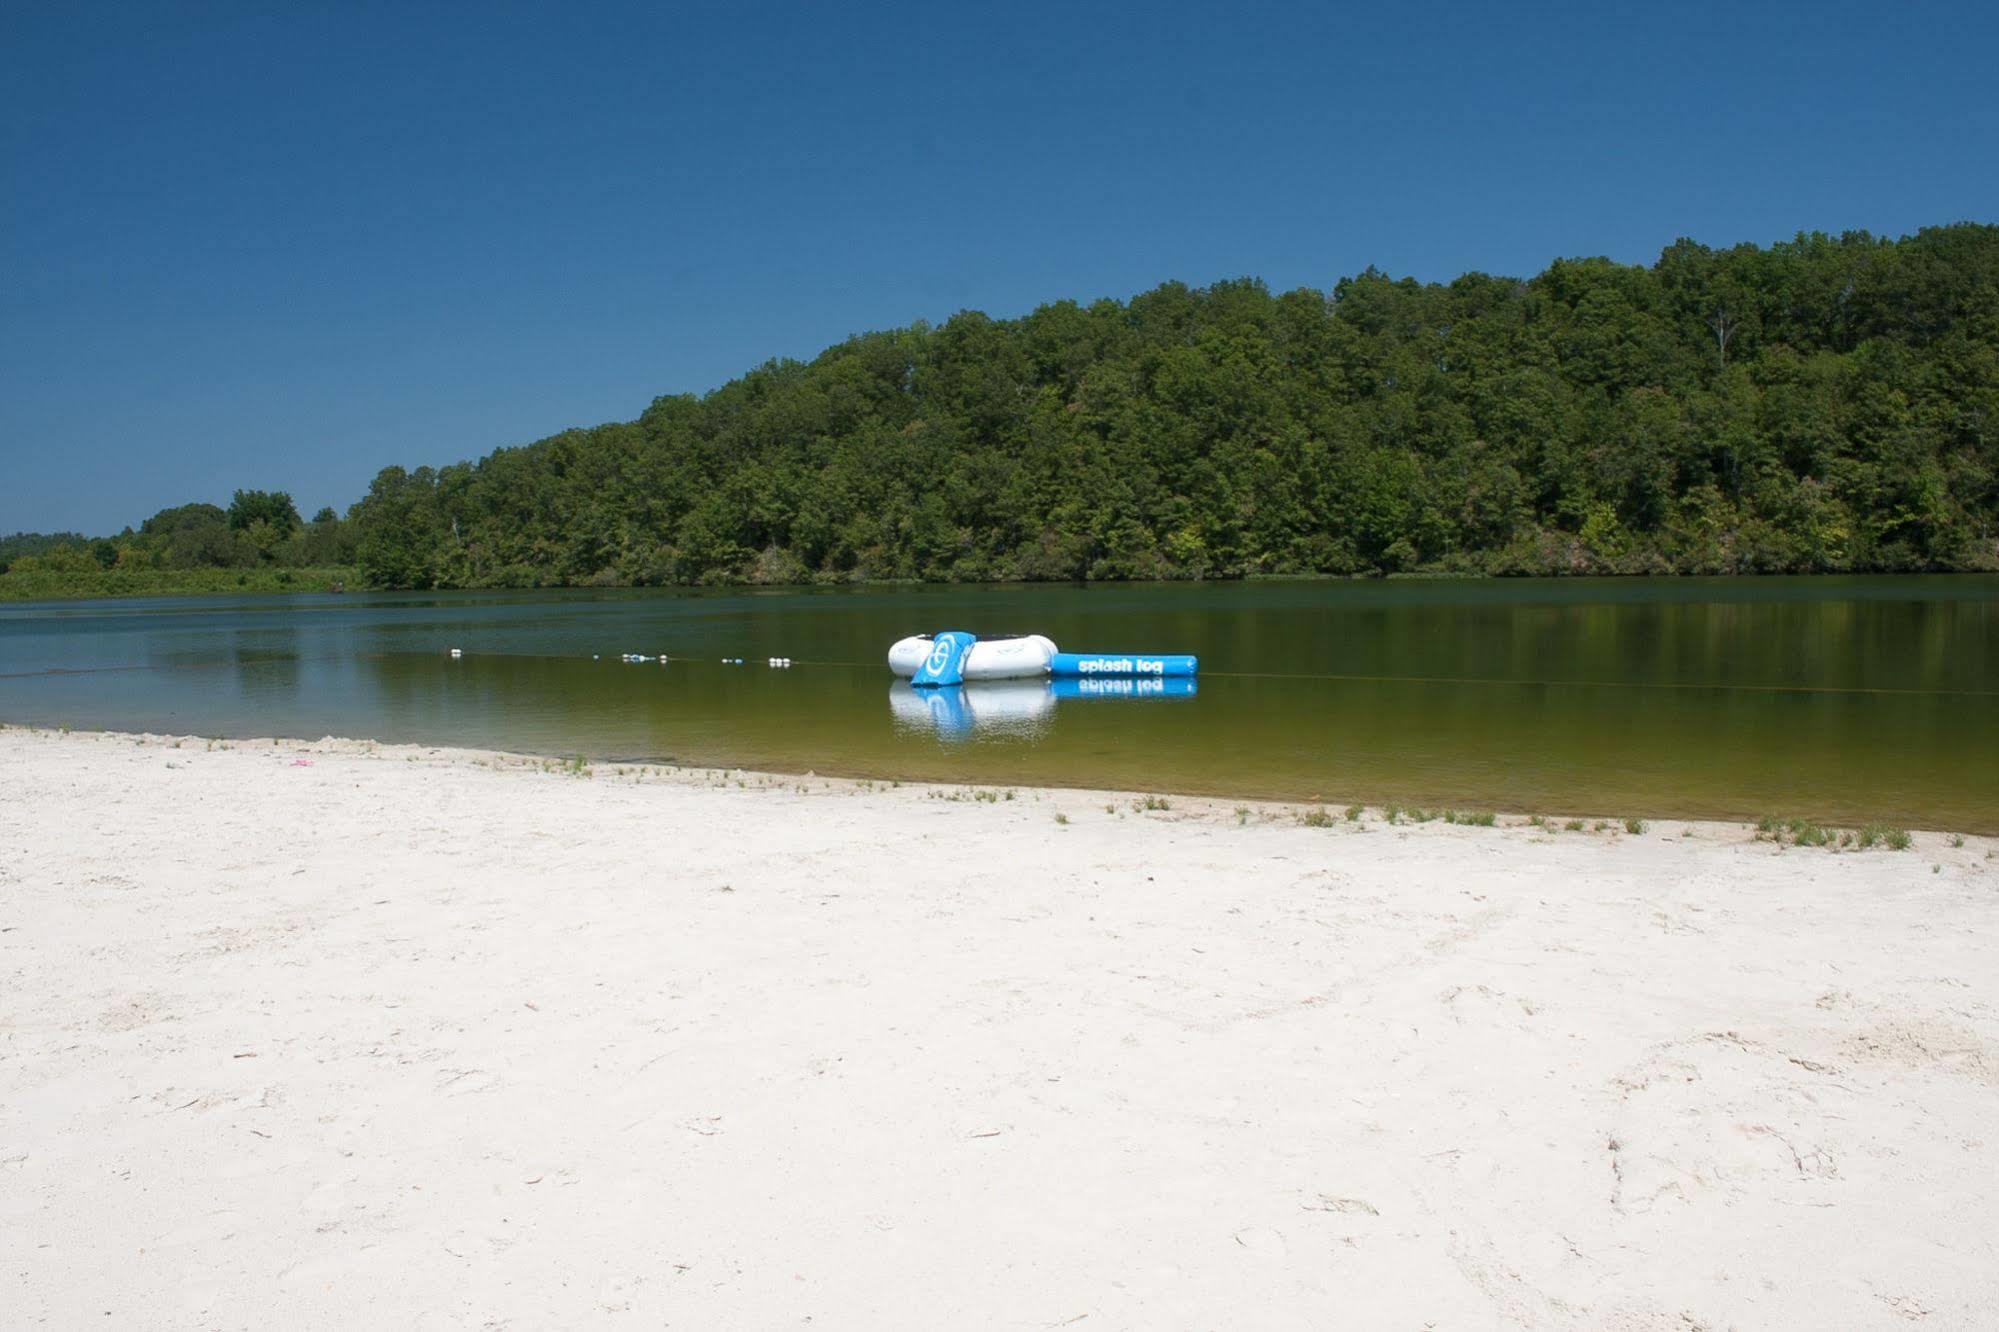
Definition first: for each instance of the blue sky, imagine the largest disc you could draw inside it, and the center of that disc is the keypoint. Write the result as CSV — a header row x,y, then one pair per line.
x,y
284,245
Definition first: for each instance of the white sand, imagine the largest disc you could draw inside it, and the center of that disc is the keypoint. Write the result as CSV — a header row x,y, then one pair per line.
x,y
404,1039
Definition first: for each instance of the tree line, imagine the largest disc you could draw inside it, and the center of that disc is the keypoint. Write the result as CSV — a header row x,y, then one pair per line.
x,y
259,530
1823,404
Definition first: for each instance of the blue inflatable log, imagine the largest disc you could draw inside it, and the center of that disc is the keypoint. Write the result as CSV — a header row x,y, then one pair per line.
x,y
1102,665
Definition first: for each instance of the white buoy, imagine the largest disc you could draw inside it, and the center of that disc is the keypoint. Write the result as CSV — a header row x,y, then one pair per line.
x,y
458,652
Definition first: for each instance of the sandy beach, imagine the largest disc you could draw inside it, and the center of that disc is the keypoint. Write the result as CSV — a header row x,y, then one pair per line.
x,y
338,1035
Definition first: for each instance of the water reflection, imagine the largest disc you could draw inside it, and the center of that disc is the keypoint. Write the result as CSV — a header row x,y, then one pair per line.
x,y
1074,687
264,660
993,709
1010,709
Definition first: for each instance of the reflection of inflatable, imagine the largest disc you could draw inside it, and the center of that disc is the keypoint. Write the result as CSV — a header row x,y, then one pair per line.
x,y
1071,686
952,656
1009,657
1012,709
998,708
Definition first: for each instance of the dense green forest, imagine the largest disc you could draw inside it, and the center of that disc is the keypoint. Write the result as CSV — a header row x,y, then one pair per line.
x,y
1829,403
258,543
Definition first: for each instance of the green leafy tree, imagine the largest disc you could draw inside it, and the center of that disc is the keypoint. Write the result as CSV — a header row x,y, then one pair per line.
x,y
274,508
401,536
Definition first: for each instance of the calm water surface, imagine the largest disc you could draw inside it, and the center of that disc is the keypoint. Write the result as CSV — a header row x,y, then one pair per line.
x,y
1844,699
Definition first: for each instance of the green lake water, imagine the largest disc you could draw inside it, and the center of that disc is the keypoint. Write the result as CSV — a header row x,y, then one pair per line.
x,y
1845,699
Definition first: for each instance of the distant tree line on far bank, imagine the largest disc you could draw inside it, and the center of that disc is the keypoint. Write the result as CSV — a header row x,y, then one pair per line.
x,y
259,531
1824,404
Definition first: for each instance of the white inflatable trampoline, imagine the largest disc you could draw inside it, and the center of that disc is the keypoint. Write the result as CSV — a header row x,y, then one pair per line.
x,y
1007,657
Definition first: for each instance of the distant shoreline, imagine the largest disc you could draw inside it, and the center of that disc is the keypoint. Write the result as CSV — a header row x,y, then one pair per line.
x,y
115,585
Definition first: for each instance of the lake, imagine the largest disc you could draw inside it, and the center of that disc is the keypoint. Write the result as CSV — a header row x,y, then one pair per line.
x,y
1844,699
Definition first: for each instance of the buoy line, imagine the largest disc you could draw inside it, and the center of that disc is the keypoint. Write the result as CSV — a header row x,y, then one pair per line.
x,y
1338,677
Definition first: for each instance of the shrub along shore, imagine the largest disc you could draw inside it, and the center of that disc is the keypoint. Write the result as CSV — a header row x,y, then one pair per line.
x,y
94,583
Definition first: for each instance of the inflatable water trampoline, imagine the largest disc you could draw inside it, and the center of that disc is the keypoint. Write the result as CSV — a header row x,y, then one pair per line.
x,y
953,656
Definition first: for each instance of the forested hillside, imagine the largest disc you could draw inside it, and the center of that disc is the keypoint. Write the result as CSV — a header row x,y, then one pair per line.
x,y
1818,405
1822,404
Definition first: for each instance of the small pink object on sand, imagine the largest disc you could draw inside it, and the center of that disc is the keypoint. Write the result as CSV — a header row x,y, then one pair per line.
x,y
301,763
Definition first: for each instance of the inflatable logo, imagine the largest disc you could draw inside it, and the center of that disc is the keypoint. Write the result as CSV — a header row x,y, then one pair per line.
x,y
1118,664
946,663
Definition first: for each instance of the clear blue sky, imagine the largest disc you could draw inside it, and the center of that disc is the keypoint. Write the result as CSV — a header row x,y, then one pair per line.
x,y
282,245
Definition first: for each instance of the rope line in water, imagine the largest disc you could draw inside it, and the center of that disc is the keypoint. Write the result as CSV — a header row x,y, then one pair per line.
x,y
1351,678
1605,684
182,666
1494,680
